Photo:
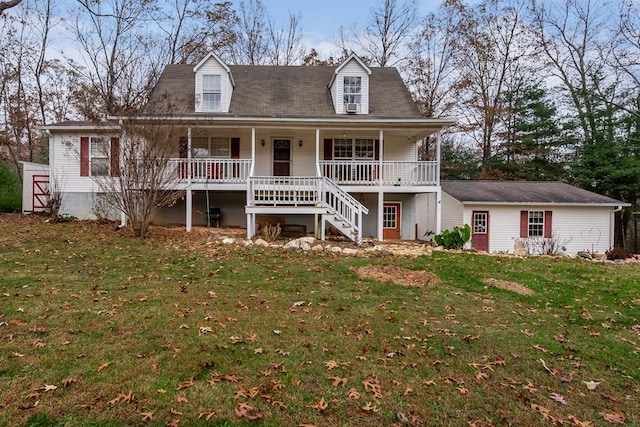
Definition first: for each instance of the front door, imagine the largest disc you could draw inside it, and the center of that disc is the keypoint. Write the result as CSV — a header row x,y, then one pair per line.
x,y
281,157
391,221
480,231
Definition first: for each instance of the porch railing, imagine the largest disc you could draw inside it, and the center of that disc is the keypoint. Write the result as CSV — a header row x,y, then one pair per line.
x,y
368,172
211,170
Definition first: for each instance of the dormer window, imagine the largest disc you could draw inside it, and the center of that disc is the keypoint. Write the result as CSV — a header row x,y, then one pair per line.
x,y
211,92
352,91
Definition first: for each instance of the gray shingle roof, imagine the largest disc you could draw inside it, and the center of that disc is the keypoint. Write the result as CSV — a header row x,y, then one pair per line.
x,y
282,92
526,192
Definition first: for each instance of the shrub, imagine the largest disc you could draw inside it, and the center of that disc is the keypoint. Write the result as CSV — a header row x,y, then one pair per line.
x,y
618,253
545,245
10,189
271,232
454,239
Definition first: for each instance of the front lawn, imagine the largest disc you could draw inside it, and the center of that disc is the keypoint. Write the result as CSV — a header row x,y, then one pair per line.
x,y
100,328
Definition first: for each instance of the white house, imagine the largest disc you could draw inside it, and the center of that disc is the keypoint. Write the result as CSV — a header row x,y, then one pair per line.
x,y
315,146
501,213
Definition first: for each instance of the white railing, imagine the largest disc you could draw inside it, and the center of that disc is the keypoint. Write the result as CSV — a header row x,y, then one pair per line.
x,y
368,172
343,209
211,170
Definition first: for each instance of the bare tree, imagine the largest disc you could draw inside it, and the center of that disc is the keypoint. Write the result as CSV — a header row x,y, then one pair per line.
x,y
140,175
285,44
391,24
251,46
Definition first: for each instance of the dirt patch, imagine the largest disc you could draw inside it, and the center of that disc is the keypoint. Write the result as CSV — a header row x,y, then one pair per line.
x,y
398,275
509,286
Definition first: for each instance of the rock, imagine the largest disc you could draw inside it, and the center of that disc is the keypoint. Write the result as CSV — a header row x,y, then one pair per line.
x,y
584,254
334,249
261,243
293,244
305,246
317,248
349,251
519,249
248,243
307,239
228,241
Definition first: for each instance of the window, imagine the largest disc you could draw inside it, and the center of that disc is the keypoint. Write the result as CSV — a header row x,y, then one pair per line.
x,y
205,146
536,224
352,90
99,156
390,216
480,222
354,149
211,92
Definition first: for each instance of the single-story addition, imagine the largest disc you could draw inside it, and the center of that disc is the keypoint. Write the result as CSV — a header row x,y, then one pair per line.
x,y
316,146
502,213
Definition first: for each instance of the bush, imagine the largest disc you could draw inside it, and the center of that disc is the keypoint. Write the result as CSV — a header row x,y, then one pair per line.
x,y
454,239
618,253
10,189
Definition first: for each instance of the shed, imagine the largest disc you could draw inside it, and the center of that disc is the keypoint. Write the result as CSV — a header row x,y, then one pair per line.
x,y
35,187
537,214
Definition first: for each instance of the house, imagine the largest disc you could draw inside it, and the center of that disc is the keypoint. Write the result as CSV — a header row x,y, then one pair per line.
x,y
503,213
314,146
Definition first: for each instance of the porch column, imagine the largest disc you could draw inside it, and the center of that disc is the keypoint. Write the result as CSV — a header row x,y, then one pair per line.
x,y
380,160
438,147
189,200
438,211
380,215
318,172
251,218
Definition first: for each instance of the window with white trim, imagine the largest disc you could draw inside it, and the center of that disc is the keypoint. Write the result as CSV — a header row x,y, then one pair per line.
x,y
536,224
214,146
354,149
480,222
390,216
352,90
99,156
211,92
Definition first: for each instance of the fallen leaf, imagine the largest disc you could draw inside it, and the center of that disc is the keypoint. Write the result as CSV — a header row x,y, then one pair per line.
x,y
185,384
613,418
558,398
68,381
591,385
49,387
577,423
321,405
147,416
331,364
337,381
182,399
353,394
103,366
257,350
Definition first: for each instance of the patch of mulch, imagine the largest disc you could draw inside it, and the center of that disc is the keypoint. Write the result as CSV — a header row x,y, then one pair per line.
x,y
509,286
398,275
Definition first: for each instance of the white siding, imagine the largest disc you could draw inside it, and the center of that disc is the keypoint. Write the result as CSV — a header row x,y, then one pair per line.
x,y
65,165
425,215
399,150
452,212
351,68
578,228
29,170
212,66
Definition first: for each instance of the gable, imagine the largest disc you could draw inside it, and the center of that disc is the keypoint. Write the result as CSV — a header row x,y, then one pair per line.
x,y
350,87
213,85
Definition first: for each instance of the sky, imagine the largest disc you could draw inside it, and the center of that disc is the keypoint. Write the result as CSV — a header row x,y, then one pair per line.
x,y
322,19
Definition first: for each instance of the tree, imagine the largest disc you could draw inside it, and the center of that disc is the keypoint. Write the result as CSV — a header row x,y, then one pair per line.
x,y
390,24
251,46
286,43
141,175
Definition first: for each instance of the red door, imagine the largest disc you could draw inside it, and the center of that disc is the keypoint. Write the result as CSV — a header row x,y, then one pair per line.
x,y
281,157
40,192
391,215
480,230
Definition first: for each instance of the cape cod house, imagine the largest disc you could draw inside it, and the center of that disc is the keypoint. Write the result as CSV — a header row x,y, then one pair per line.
x,y
315,146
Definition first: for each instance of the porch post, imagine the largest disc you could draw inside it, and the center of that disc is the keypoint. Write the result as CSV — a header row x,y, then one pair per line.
x,y
439,191
380,215
438,144
189,208
251,218
380,160
189,201
318,172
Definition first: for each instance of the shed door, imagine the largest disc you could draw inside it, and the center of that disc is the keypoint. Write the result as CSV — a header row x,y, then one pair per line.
x,y
391,215
281,157
480,231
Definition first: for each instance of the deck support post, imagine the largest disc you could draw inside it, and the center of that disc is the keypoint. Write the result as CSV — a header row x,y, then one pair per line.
x,y
189,210
380,215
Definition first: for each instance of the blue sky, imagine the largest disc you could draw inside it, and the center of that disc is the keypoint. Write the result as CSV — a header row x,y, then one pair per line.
x,y
321,19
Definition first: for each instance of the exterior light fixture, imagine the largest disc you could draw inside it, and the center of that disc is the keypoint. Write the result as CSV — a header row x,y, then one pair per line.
x,y
262,142
300,143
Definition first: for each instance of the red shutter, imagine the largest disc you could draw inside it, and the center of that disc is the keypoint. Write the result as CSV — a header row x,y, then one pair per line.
x,y
84,156
547,224
524,224
114,156
235,148
376,149
183,147
328,149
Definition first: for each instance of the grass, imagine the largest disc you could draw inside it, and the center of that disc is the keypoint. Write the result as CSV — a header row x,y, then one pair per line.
x,y
99,328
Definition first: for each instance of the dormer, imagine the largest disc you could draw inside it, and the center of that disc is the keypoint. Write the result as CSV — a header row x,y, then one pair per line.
x,y
214,85
349,86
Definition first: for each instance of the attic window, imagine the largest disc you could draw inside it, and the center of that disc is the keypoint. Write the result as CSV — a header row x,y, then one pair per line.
x,y
352,90
211,92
